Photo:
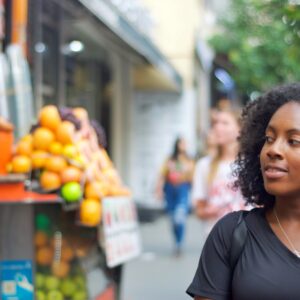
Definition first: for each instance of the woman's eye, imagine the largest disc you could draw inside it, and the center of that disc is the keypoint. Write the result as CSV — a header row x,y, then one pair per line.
x,y
269,139
294,142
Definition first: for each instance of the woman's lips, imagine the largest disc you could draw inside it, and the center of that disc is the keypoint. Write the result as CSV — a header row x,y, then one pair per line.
x,y
274,172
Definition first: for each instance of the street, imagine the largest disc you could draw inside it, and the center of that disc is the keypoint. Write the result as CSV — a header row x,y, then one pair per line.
x,y
157,273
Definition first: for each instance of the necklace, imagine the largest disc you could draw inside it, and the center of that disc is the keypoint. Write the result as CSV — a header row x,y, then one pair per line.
x,y
285,234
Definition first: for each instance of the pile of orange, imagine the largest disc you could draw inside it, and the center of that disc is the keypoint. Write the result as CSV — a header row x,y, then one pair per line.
x,y
65,155
44,149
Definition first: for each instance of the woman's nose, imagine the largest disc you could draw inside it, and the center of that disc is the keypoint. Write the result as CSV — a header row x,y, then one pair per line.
x,y
275,151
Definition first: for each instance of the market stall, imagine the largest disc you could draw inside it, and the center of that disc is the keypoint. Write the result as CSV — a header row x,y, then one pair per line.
x,y
67,222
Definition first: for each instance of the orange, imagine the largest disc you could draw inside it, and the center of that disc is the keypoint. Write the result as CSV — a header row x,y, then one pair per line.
x,y
40,239
60,269
90,212
49,117
50,180
95,190
42,138
67,253
38,159
55,163
21,164
56,148
24,147
27,137
44,256
70,174
65,132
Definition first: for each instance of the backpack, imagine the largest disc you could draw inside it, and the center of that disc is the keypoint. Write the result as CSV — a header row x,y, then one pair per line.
x,y
239,237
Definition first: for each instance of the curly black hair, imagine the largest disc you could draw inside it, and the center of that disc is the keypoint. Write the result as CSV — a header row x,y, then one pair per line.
x,y
255,118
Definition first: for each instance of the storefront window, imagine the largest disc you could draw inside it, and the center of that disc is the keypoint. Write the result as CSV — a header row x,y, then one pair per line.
x,y
71,67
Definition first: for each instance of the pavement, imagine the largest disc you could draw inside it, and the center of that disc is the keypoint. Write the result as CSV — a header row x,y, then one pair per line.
x,y
157,274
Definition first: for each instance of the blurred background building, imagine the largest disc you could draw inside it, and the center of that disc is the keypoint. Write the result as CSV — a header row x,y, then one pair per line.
x,y
142,68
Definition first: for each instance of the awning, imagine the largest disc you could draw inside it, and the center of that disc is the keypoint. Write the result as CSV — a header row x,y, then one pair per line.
x,y
160,67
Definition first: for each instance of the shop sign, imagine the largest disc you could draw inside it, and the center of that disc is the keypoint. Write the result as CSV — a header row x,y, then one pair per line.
x,y
16,280
120,230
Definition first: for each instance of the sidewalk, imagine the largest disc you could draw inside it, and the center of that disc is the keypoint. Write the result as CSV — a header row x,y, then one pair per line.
x,y
157,274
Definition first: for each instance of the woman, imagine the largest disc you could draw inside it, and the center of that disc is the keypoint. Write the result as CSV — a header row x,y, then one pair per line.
x,y
175,184
268,167
213,194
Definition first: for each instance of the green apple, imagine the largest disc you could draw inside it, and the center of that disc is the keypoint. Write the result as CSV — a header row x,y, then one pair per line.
x,y
39,280
55,295
40,295
51,283
79,281
71,191
68,287
80,295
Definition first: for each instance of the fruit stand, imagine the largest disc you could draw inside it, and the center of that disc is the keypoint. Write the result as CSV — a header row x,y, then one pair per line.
x,y
67,223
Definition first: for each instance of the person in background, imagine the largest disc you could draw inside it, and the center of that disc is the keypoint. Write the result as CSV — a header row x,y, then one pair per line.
x,y
174,186
213,195
211,143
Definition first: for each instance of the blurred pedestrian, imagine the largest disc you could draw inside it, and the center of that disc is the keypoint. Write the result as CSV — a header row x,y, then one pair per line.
x,y
256,255
211,146
213,194
174,186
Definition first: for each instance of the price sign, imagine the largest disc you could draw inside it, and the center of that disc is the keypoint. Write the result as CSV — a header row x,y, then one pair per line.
x,y
120,229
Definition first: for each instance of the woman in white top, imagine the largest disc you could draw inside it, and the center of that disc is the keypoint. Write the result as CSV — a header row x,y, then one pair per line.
x,y
213,194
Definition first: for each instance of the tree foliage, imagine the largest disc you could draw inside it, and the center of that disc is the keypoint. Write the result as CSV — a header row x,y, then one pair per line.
x,y
261,39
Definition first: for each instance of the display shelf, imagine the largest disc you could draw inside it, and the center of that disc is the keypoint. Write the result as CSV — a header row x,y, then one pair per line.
x,y
12,190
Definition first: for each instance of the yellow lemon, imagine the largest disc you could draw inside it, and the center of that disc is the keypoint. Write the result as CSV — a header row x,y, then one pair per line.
x,y
69,151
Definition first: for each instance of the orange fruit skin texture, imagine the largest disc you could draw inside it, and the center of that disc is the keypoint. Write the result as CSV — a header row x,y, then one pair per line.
x,y
44,256
50,180
70,174
67,253
21,164
90,212
24,147
94,190
55,148
55,164
60,269
38,159
40,239
42,138
65,132
49,117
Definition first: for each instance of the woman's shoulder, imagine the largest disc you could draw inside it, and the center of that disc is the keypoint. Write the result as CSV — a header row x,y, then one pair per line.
x,y
226,225
228,222
231,218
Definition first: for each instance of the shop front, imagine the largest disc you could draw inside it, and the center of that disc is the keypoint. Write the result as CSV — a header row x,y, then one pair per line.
x,y
80,54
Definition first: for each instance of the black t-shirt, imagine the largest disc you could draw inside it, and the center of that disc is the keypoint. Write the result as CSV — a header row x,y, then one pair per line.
x,y
266,268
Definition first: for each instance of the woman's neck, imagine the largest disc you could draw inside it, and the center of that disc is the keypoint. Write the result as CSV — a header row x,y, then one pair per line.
x,y
288,208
